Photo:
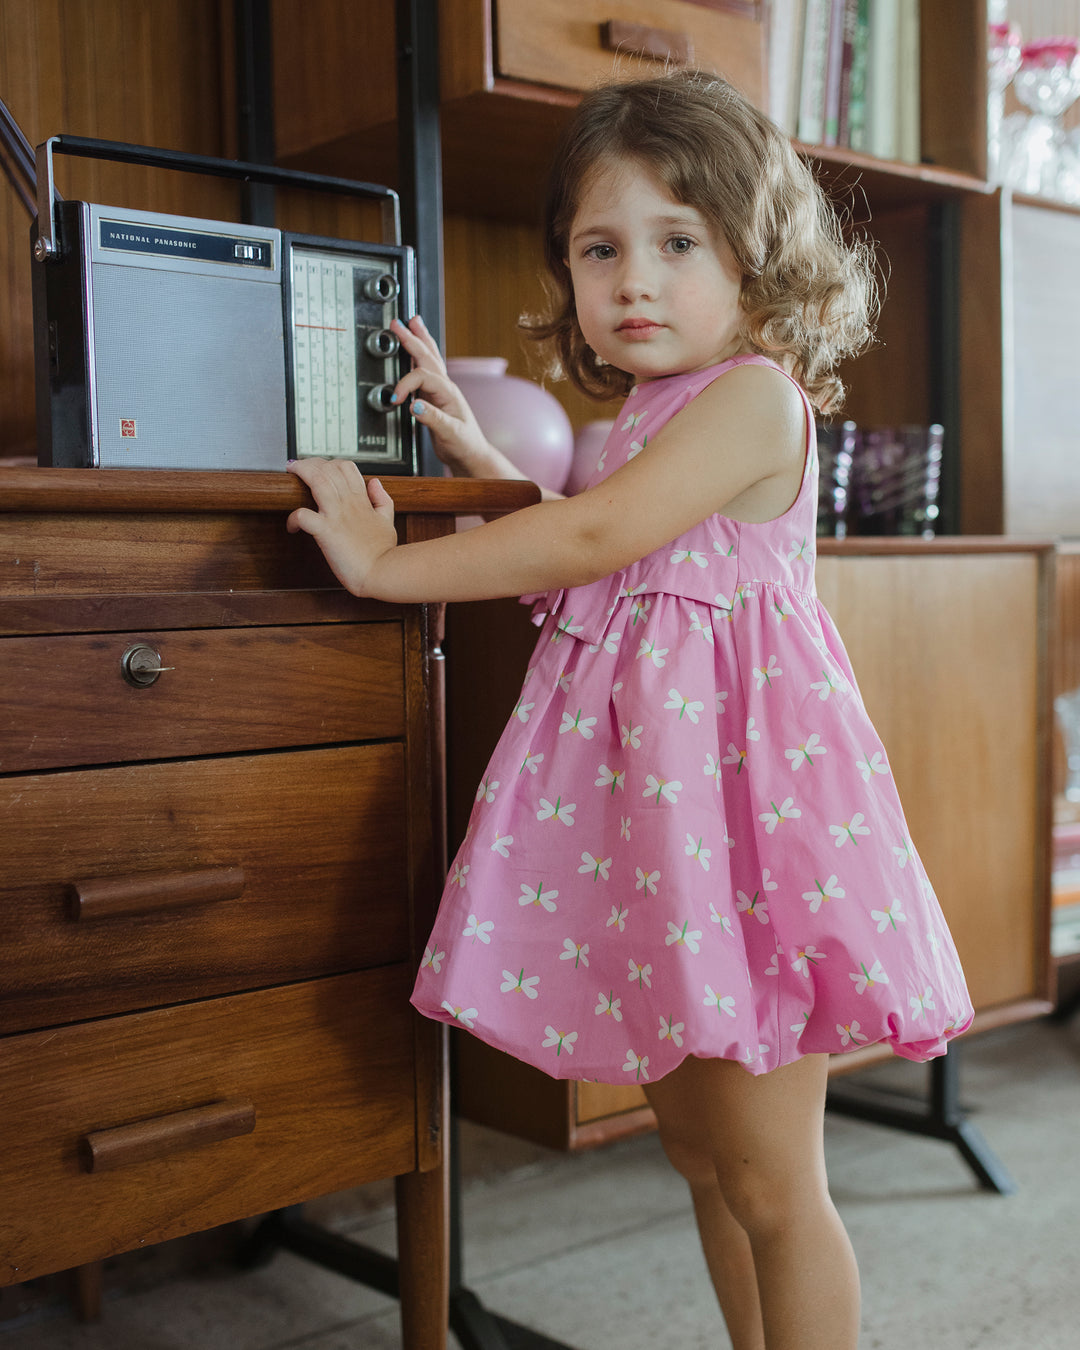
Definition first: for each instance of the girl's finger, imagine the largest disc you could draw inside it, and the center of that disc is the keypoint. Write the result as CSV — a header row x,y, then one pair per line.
x,y
419,343
434,418
380,499
416,341
330,482
437,387
302,519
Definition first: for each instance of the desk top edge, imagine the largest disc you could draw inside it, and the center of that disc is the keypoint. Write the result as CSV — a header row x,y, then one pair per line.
x,y
57,491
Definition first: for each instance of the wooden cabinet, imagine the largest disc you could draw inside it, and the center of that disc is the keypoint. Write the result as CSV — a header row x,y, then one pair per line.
x,y
964,718
575,44
221,798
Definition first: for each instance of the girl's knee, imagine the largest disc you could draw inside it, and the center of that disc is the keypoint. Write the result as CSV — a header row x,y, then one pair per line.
x,y
690,1157
764,1202
760,1201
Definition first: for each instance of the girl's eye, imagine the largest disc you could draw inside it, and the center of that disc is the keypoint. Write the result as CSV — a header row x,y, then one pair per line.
x,y
681,244
601,252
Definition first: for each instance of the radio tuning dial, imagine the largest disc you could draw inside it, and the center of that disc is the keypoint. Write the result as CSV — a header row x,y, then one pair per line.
x,y
381,397
383,287
381,344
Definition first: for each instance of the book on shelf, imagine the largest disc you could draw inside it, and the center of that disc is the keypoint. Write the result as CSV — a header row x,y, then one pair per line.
x,y
814,77
846,73
833,71
785,62
852,129
881,78
908,145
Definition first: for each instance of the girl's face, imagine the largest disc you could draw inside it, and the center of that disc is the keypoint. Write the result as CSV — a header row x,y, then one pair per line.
x,y
656,290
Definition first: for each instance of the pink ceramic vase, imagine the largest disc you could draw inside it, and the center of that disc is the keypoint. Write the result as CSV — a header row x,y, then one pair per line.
x,y
518,417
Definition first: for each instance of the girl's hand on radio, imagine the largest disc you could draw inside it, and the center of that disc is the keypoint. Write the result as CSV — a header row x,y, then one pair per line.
x,y
455,432
353,523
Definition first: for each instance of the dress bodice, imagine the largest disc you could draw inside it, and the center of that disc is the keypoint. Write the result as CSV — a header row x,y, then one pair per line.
x,y
718,561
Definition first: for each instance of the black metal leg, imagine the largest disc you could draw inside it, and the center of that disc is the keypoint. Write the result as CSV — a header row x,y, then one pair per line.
x,y
941,1116
474,1325
288,1230
1067,1008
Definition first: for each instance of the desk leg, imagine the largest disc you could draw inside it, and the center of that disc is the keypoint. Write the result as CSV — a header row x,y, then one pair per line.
x,y
939,1116
86,1285
423,1219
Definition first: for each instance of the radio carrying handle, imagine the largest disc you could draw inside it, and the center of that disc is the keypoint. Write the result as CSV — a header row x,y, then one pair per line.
x,y
47,245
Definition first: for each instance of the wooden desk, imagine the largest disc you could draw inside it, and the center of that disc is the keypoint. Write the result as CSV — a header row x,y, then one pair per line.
x,y
216,877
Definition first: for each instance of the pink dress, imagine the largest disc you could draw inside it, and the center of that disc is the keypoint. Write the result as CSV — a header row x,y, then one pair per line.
x,y
688,840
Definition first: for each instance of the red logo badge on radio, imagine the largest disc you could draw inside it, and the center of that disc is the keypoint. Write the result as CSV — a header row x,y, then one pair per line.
x,y
127,427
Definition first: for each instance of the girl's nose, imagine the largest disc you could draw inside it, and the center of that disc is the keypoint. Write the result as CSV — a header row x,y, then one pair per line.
x,y
634,282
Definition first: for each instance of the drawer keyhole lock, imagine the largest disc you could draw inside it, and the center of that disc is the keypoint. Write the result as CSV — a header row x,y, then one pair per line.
x,y
141,665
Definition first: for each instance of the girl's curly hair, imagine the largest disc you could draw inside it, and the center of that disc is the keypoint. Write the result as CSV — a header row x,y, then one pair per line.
x,y
809,296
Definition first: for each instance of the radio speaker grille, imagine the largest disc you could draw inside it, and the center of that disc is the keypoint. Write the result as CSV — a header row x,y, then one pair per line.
x,y
190,370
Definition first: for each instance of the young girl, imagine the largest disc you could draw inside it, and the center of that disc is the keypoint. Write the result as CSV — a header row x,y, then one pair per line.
x,y
687,866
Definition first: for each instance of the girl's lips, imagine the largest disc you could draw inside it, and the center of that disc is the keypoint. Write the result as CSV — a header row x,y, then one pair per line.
x,y
636,329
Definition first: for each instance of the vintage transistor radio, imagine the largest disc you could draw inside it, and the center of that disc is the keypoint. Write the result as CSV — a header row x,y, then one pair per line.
x,y
174,342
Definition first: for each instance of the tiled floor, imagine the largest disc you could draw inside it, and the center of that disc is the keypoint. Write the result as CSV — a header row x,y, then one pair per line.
x,y
599,1250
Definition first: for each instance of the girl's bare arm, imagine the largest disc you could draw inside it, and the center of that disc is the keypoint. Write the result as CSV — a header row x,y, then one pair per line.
x,y
745,430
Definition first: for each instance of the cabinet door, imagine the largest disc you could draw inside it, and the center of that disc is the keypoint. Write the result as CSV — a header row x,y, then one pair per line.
x,y
575,44
950,654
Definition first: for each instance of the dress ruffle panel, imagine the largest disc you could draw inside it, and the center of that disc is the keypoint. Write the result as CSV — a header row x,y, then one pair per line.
x,y
740,882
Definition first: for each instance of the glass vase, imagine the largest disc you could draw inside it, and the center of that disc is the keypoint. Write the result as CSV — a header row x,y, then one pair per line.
x,y
1047,83
1003,61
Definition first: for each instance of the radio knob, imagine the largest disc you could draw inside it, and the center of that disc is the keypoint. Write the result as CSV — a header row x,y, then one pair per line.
x,y
383,287
381,344
381,397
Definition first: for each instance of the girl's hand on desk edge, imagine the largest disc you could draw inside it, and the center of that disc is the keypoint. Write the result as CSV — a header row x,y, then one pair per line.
x,y
353,523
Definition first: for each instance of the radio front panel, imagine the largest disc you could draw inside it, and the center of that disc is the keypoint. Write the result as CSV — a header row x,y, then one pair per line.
x,y
344,360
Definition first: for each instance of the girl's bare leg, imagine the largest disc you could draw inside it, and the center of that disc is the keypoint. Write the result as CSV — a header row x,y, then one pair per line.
x,y
731,1265
752,1149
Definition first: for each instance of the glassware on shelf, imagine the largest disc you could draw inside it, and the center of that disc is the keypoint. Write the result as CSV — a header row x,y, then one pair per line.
x,y
1068,181
896,480
879,480
836,448
1036,157
1003,56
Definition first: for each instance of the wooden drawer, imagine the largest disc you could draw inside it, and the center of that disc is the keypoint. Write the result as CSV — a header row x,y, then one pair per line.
x,y
576,44
66,700
199,878
326,1068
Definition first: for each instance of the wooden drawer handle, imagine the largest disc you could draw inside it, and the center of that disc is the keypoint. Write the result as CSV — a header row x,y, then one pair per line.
x,y
104,1150
638,39
106,897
